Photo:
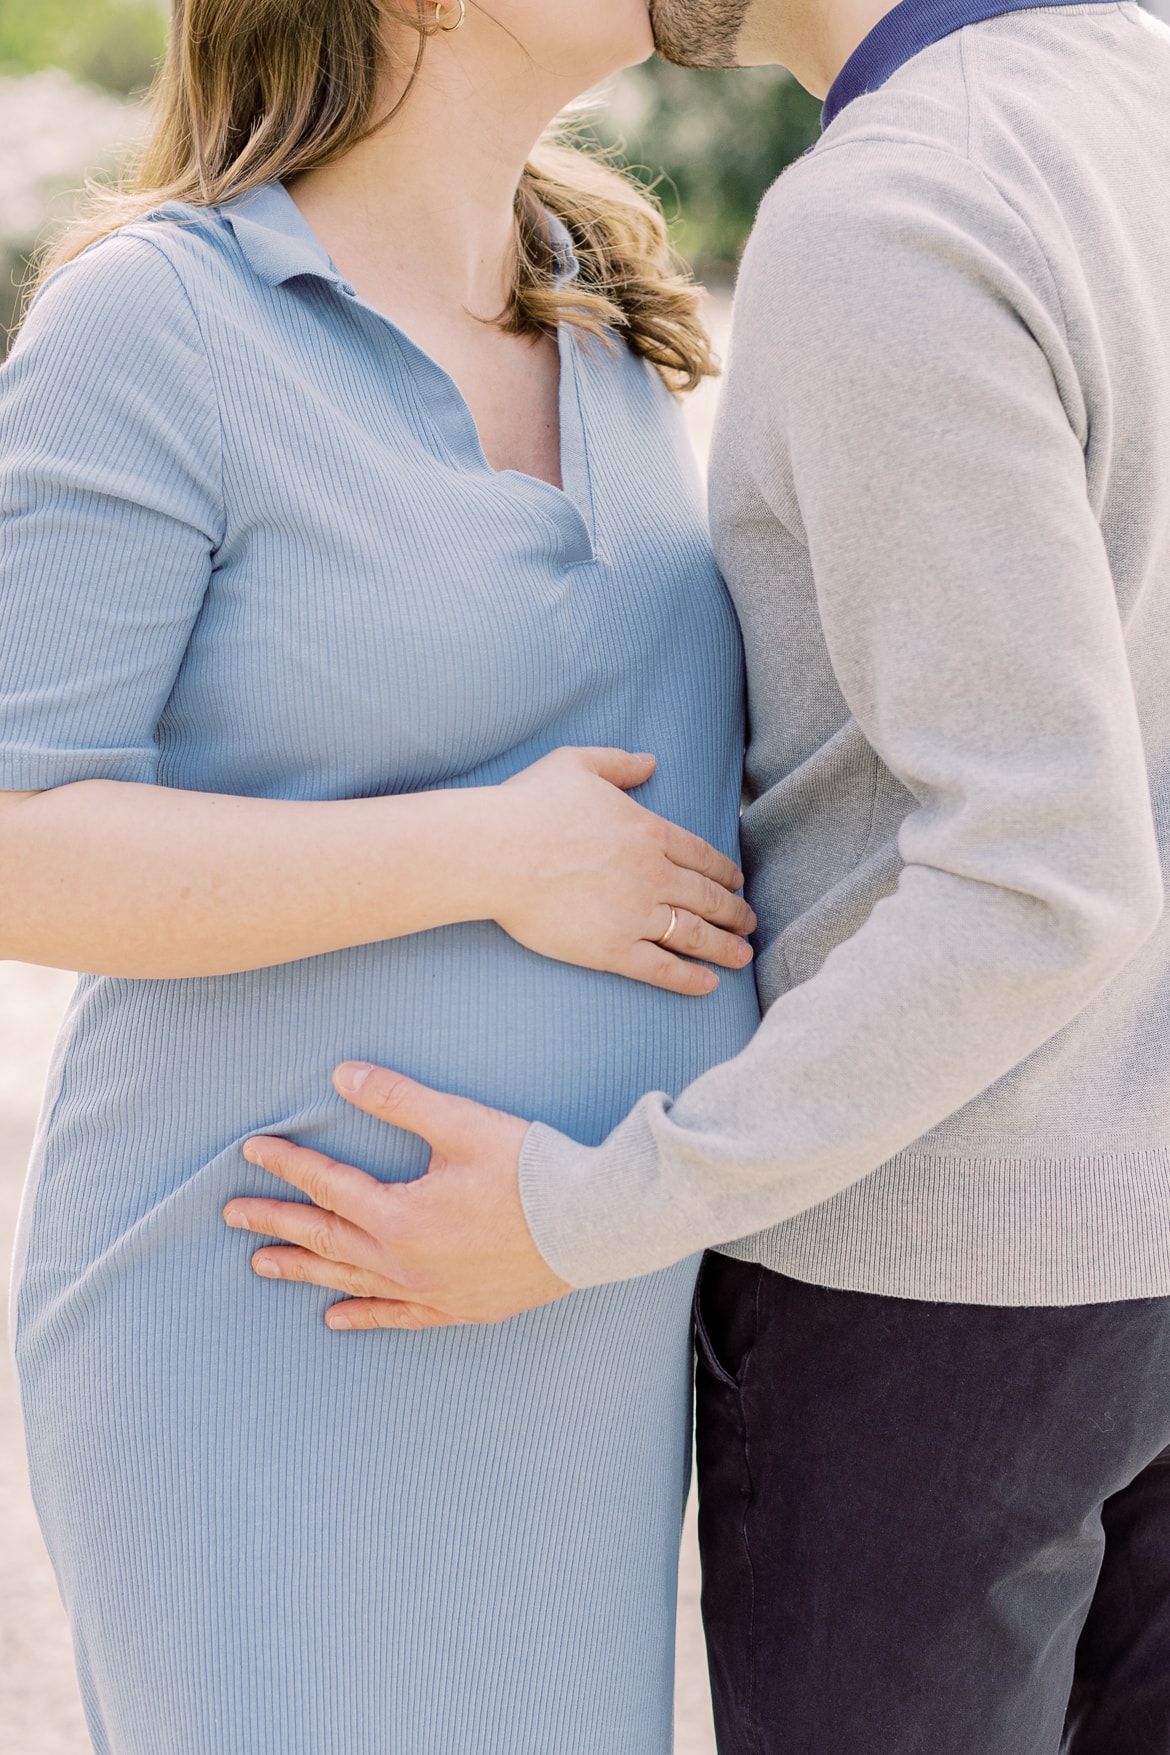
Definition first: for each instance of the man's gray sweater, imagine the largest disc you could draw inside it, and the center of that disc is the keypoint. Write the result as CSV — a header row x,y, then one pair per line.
x,y
941,498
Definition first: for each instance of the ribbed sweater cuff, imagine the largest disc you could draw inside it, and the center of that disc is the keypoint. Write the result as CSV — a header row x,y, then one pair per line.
x,y
580,1200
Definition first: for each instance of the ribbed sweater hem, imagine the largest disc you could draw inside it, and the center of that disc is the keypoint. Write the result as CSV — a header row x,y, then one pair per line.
x,y
1019,1229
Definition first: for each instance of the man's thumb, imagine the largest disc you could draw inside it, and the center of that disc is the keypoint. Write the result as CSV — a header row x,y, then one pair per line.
x,y
394,1098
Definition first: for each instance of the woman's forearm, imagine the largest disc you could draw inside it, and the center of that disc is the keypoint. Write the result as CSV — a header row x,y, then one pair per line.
x,y
142,881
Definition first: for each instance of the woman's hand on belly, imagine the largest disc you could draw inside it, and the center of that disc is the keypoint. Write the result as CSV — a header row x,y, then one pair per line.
x,y
135,880
584,874
452,1247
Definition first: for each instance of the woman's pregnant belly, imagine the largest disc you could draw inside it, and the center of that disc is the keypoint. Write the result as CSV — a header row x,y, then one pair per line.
x,y
433,1516
157,1084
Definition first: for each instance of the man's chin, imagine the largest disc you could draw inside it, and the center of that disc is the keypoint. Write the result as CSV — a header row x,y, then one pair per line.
x,y
698,33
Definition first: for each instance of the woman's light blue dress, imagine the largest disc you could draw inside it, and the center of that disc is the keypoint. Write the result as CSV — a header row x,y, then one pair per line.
x,y
250,544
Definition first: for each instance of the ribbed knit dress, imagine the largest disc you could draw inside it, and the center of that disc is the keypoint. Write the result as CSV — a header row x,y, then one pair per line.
x,y
250,544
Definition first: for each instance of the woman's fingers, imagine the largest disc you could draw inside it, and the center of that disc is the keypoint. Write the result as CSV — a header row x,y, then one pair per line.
x,y
661,968
622,768
695,854
704,897
668,966
695,937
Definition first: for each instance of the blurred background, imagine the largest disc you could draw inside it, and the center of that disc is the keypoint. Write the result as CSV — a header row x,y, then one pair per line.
x,y
72,73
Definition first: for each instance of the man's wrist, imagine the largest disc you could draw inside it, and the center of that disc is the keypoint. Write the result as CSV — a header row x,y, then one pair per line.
x,y
594,1212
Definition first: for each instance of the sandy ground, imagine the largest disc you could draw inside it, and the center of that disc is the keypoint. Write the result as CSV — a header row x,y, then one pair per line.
x,y
39,1710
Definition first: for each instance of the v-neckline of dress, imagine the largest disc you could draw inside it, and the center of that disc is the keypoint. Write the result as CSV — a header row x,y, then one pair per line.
x,y
450,418
282,245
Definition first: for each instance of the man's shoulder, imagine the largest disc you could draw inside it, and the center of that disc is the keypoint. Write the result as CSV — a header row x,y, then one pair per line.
x,y
864,200
890,239
901,142
997,108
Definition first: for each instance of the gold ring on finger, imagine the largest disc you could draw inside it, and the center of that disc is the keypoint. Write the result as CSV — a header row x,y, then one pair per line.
x,y
669,933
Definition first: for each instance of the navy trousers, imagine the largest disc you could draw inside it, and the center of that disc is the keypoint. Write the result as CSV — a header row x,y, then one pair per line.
x,y
932,1529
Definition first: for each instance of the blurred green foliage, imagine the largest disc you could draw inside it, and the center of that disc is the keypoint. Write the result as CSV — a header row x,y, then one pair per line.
x,y
111,43
711,144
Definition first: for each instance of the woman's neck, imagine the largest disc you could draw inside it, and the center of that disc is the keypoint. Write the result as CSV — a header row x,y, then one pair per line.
x,y
426,204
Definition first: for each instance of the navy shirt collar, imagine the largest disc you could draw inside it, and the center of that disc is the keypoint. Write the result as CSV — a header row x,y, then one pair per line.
x,y
913,25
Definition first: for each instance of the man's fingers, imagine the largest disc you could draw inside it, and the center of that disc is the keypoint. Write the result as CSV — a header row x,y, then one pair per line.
x,y
688,850
448,1124
327,1182
367,1313
321,1233
307,1269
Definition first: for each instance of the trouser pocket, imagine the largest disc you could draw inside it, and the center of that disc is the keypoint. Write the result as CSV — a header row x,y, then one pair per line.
x,y
726,1316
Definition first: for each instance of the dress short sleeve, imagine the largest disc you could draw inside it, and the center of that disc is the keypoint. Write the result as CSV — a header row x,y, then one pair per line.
x,y
110,515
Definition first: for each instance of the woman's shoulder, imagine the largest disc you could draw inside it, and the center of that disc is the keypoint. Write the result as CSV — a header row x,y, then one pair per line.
x,y
134,303
144,267
628,396
222,260
110,334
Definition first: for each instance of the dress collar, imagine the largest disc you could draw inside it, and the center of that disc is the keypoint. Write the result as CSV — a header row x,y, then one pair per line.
x,y
566,267
277,241
280,245
912,26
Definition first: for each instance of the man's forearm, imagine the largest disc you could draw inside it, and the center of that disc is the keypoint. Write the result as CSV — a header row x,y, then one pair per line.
x,y
947,987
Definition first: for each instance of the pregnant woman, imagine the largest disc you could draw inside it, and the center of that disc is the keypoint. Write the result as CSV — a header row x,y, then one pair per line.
x,y
349,536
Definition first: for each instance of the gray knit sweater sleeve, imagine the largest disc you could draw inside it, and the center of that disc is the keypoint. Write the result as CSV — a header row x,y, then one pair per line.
x,y
918,424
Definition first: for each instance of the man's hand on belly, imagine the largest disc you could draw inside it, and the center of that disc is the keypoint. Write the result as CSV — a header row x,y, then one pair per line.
x,y
453,1247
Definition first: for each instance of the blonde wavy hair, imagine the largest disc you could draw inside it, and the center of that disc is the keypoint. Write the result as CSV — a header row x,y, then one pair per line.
x,y
255,91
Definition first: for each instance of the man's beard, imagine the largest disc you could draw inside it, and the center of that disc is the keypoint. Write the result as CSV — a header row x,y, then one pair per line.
x,y
698,33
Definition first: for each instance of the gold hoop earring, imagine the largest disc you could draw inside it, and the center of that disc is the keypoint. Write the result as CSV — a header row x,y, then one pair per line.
x,y
449,29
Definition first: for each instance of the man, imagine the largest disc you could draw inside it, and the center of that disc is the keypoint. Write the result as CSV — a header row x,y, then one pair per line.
x,y
934,1388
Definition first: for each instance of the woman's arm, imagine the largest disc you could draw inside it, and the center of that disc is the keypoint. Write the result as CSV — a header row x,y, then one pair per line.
x,y
137,880
112,514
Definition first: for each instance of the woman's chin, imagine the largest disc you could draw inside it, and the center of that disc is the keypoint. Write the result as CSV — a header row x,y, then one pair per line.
x,y
630,40
645,49
645,30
